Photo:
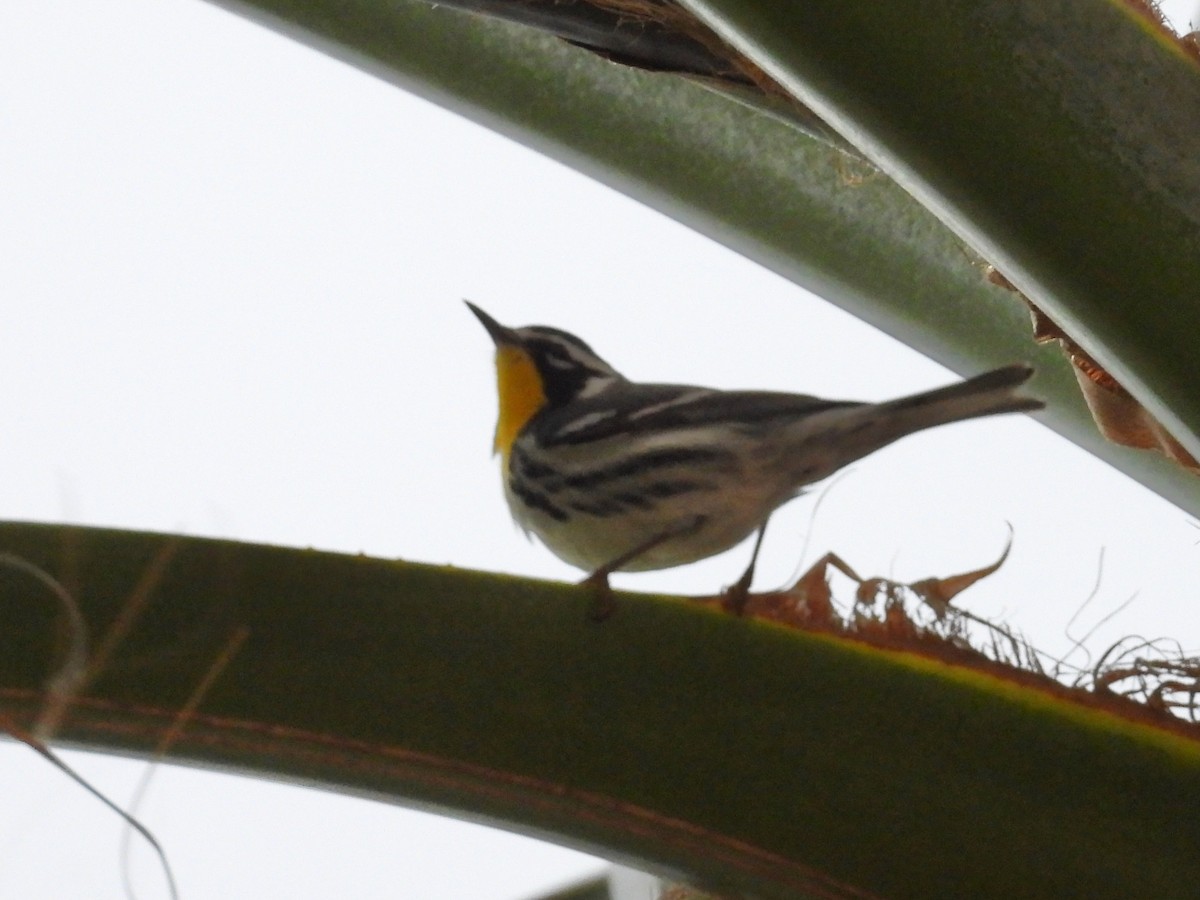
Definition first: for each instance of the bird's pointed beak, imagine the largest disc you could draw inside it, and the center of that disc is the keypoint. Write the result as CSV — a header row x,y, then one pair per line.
x,y
500,334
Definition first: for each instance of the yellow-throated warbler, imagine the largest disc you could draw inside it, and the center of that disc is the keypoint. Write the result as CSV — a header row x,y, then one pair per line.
x,y
614,475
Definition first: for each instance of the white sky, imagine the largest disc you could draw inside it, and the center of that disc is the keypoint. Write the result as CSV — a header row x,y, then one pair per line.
x,y
233,273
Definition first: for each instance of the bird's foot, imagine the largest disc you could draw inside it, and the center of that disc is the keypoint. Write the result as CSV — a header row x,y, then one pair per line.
x,y
604,604
736,596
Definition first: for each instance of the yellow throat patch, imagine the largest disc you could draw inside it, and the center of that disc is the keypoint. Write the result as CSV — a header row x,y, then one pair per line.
x,y
521,395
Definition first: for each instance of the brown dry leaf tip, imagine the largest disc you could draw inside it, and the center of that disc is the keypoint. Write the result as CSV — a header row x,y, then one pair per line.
x,y
1045,331
996,277
934,593
880,605
810,600
1134,674
918,616
1118,416
938,592
1158,674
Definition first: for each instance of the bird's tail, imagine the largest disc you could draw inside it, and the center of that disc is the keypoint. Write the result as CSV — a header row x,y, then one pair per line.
x,y
988,394
863,429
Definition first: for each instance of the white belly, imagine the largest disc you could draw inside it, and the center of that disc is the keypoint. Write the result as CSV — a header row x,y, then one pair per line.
x,y
588,542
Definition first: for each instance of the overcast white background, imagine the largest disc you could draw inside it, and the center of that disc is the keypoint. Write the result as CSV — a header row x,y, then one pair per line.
x,y
232,273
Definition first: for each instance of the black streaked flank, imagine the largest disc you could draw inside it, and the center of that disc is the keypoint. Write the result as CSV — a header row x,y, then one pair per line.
x,y
645,462
612,504
637,501
536,500
600,508
662,489
529,468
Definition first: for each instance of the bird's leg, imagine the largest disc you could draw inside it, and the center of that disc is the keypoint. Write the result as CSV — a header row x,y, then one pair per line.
x,y
735,598
603,603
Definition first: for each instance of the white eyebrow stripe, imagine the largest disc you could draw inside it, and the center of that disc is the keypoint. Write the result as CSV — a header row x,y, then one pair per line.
x,y
586,421
667,404
595,384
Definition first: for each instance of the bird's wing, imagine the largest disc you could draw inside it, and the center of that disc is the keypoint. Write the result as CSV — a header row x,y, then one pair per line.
x,y
637,409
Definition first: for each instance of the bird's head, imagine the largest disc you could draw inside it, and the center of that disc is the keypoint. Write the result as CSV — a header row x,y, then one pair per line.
x,y
537,367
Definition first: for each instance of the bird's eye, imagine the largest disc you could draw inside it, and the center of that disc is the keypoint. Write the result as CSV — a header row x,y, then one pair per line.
x,y
557,357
